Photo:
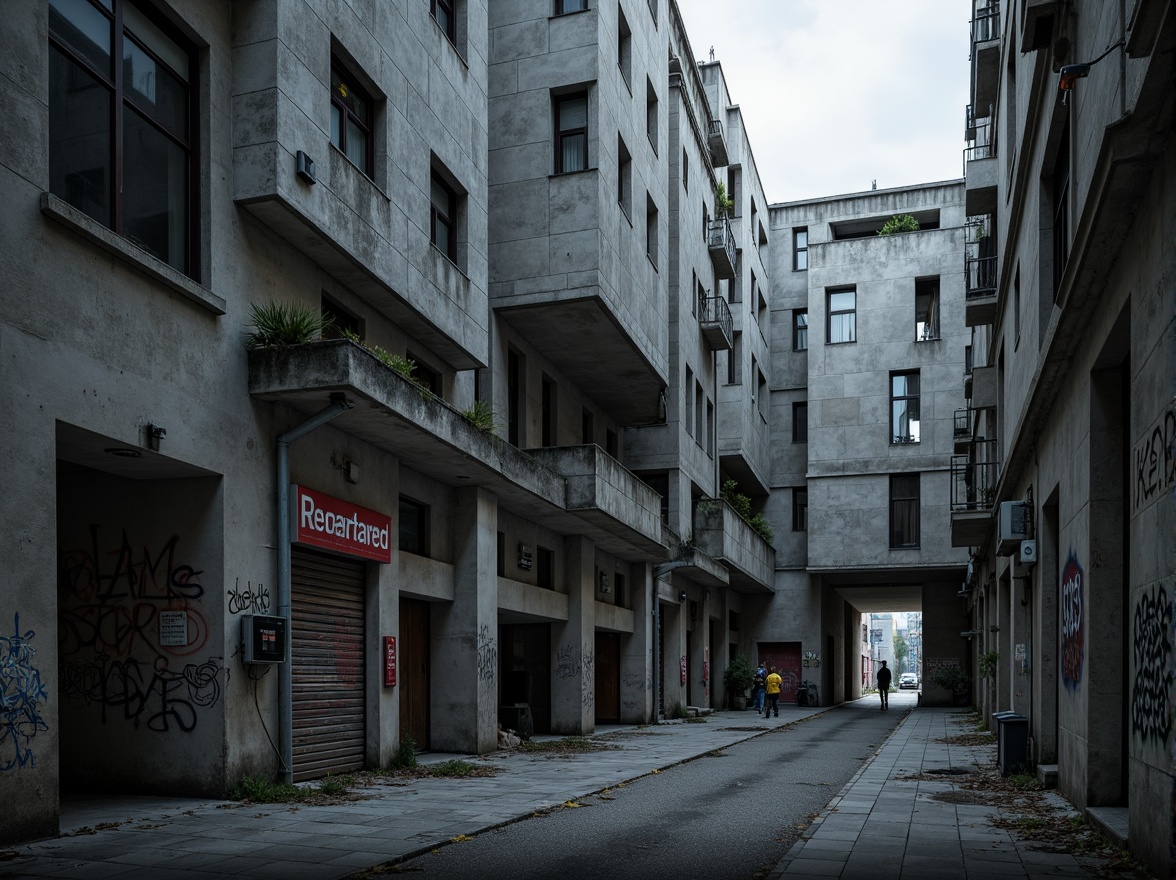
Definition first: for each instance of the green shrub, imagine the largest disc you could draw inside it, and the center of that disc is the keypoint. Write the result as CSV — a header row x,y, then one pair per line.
x,y
899,223
453,769
481,416
986,667
282,324
262,790
405,757
738,675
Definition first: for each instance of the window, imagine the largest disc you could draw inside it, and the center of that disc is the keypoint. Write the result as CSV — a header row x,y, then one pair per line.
x,y
121,145
423,375
563,7
611,443
414,527
351,119
688,393
624,48
515,373
501,554
764,397
800,330
1060,184
842,315
927,310
342,322
904,510
571,133
660,483
544,568
445,14
735,359
587,427
710,429
651,114
618,588
443,217
799,510
548,414
800,422
904,407
651,230
699,412
653,9
624,178
1016,308
685,171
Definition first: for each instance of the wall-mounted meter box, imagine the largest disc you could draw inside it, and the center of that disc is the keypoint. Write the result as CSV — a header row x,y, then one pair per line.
x,y
263,639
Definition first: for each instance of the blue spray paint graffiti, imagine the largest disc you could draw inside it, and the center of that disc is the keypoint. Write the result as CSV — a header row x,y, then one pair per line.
x,y
21,692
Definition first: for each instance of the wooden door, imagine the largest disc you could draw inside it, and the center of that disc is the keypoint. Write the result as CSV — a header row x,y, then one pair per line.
x,y
785,656
608,678
413,670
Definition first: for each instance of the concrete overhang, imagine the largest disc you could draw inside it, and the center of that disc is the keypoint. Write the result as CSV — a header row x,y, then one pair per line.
x,y
980,308
584,340
430,436
985,70
980,186
970,528
724,535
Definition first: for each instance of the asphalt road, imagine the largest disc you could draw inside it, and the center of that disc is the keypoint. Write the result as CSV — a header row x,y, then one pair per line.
x,y
730,815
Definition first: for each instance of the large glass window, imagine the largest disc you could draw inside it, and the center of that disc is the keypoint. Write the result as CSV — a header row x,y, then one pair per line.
x,y
904,510
571,135
351,119
927,310
842,315
122,124
904,407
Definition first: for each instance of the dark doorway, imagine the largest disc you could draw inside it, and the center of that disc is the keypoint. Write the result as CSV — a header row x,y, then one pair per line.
x,y
414,670
608,678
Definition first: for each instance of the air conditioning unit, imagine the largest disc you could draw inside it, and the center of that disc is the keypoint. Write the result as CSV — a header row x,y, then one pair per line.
x,y
1013,526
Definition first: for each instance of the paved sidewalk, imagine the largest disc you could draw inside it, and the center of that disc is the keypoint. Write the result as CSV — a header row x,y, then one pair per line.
x,y
887,824
186,839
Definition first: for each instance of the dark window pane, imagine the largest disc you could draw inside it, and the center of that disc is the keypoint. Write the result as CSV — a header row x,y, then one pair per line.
x,y
154,90
155,190
346,93
356,144
86,30
79,138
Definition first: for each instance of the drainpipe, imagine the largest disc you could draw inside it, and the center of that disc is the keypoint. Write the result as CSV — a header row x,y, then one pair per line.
x,y
338,406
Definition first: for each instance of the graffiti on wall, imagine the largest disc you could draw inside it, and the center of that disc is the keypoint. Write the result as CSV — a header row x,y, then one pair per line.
x,y
21,695
567,662
127,619
1151,712
487,655
251,600
1073,625
1154,462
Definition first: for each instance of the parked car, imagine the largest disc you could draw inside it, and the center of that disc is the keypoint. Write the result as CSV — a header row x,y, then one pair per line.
x,y
908,680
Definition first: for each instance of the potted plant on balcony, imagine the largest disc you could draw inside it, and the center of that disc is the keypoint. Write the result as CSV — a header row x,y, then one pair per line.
x,y
737,678
899,223
724,205
280,324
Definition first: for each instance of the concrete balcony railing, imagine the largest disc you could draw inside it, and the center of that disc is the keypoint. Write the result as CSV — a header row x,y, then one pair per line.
x,y
714,316
723,534
720,241
606,495
717,143
980,293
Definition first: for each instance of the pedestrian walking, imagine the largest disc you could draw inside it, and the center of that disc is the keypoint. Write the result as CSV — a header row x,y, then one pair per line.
x,y
772,686
758,682
883,677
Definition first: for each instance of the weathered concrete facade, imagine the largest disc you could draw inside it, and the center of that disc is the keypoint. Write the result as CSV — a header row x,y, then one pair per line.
x,y
1074,321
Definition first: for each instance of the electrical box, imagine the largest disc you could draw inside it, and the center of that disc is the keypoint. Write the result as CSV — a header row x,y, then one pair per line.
x,y
263,639
1014,524
1027,554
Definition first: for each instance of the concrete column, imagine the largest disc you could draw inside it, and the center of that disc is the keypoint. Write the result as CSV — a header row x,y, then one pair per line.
x,y
383,619
699,632
465,644
721,608
673,612
944,618
637,651
573,691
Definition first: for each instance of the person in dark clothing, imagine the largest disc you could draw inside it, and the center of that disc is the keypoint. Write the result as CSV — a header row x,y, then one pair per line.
x,y
883,677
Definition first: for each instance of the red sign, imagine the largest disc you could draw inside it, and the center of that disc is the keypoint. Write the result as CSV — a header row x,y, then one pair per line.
x,y
389,661
334,524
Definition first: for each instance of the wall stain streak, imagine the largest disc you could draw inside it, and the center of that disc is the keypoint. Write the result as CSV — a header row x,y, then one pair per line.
x,y
21,694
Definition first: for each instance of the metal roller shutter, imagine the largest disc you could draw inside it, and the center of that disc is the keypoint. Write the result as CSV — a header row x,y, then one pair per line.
x,y
327,656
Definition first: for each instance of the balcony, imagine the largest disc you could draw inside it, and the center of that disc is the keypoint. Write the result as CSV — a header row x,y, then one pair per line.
x,y
720,241
715,319
962,432
985,52
717,143
980,171
974,477
600,500
602,492
985,387
980,295
725,535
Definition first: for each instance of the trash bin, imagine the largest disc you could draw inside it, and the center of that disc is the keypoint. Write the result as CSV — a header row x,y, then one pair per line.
x,y
1012,743
995,728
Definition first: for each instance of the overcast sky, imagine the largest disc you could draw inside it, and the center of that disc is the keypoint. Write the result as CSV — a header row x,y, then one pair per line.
x,y
838,93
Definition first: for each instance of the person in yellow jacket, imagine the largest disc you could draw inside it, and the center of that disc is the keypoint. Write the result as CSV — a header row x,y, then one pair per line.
x,y
773,690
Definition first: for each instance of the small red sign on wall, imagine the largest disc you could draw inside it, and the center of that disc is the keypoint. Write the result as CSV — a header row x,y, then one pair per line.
x,y
389,661
334,524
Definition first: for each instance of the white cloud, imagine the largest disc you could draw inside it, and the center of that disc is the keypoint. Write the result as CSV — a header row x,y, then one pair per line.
x,y
837,93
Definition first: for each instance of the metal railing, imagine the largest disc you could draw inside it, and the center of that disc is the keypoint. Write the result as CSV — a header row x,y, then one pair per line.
x,y
720,237
981,277
986,22
714,310
978,135
974,476
963,424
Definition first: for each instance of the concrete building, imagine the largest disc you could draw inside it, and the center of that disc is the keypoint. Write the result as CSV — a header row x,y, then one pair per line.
x,y
867,352
1062,490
